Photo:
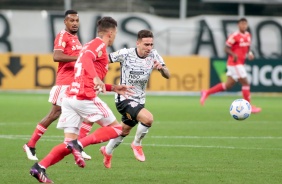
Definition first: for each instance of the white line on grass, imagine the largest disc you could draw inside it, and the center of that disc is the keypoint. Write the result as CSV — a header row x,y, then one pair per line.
x,y
156,137
55,139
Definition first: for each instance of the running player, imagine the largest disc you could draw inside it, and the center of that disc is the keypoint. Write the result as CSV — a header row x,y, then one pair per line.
x,y
137,65
237,47
82,102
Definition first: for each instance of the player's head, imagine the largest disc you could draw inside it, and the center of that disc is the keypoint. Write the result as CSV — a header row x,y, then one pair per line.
x,y
145,42
243,24
107,28
71,21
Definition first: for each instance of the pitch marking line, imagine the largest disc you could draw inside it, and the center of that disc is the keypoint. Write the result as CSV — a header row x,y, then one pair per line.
x,y
53,138
153,137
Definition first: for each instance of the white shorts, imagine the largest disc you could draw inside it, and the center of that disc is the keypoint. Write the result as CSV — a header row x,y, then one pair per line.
x,y
75,111
57,94
236,72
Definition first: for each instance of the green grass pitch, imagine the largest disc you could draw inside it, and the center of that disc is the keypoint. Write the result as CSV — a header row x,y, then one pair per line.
x,y
187,143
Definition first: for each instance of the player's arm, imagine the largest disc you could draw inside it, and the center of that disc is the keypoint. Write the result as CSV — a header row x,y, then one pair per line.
x,y
228,44
228,50
59,56
250,55
121,89
88,57
162,69
160,65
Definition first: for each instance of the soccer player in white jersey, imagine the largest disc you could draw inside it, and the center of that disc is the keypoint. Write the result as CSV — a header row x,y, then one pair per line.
x,y
137,65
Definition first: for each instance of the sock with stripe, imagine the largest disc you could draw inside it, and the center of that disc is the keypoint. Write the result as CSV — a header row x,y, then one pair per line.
x,y
246,93
38,132
217,88
85,129
102,134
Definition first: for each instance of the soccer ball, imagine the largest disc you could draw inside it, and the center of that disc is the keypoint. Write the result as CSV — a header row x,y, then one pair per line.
x,y
240,109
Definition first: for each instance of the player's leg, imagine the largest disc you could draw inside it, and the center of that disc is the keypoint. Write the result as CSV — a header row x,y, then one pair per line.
x,y
110,128
222,86
215,89
146,119
107,150
70,122
40,129
247,94
55,97
38,170
242,78
85,129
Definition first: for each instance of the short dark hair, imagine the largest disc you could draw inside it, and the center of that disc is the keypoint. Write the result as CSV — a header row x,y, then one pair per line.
x,y
70,12
106,23
242,20
144,34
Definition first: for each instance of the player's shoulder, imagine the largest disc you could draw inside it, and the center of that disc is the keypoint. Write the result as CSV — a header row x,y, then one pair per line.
x,y
97,44
234,34
154,52
62,33
126,50
248,33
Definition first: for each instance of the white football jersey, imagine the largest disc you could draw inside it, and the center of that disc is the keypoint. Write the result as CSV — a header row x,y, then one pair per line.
x,y
135,71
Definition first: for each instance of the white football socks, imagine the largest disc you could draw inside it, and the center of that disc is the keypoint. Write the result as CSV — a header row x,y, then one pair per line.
x,y
140,134
113,143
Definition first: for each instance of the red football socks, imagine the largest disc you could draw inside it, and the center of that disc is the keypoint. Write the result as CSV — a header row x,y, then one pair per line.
x,y
85,129
217,88
38,132
246,93
100,135
55,155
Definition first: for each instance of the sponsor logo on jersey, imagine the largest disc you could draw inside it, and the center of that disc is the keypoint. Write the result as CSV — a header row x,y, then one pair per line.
x,y
137,72
244,44
76,47
100,47
100,53
135,82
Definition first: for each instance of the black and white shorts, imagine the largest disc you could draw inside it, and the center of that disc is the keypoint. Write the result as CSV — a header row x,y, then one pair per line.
x,y
129,110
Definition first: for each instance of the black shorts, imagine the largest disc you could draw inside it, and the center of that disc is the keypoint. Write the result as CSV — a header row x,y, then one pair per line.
x,y
129,110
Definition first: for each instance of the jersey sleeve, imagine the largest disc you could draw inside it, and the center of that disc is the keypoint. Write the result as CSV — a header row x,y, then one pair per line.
x,y
158,58
118,56
88,58
60,41
230,40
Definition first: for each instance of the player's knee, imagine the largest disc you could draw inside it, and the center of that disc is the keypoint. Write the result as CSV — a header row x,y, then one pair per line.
x,y
148,120
130,123
125,133
55,114
118,129
72,130
228,86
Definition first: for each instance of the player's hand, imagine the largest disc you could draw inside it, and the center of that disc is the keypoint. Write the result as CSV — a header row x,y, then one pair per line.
x,y
235,57
123,90
251,56
158,65
99,85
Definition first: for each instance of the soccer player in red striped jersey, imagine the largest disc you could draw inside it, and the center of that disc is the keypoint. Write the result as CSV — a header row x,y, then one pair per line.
x,y
66,49
237,48
82,102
